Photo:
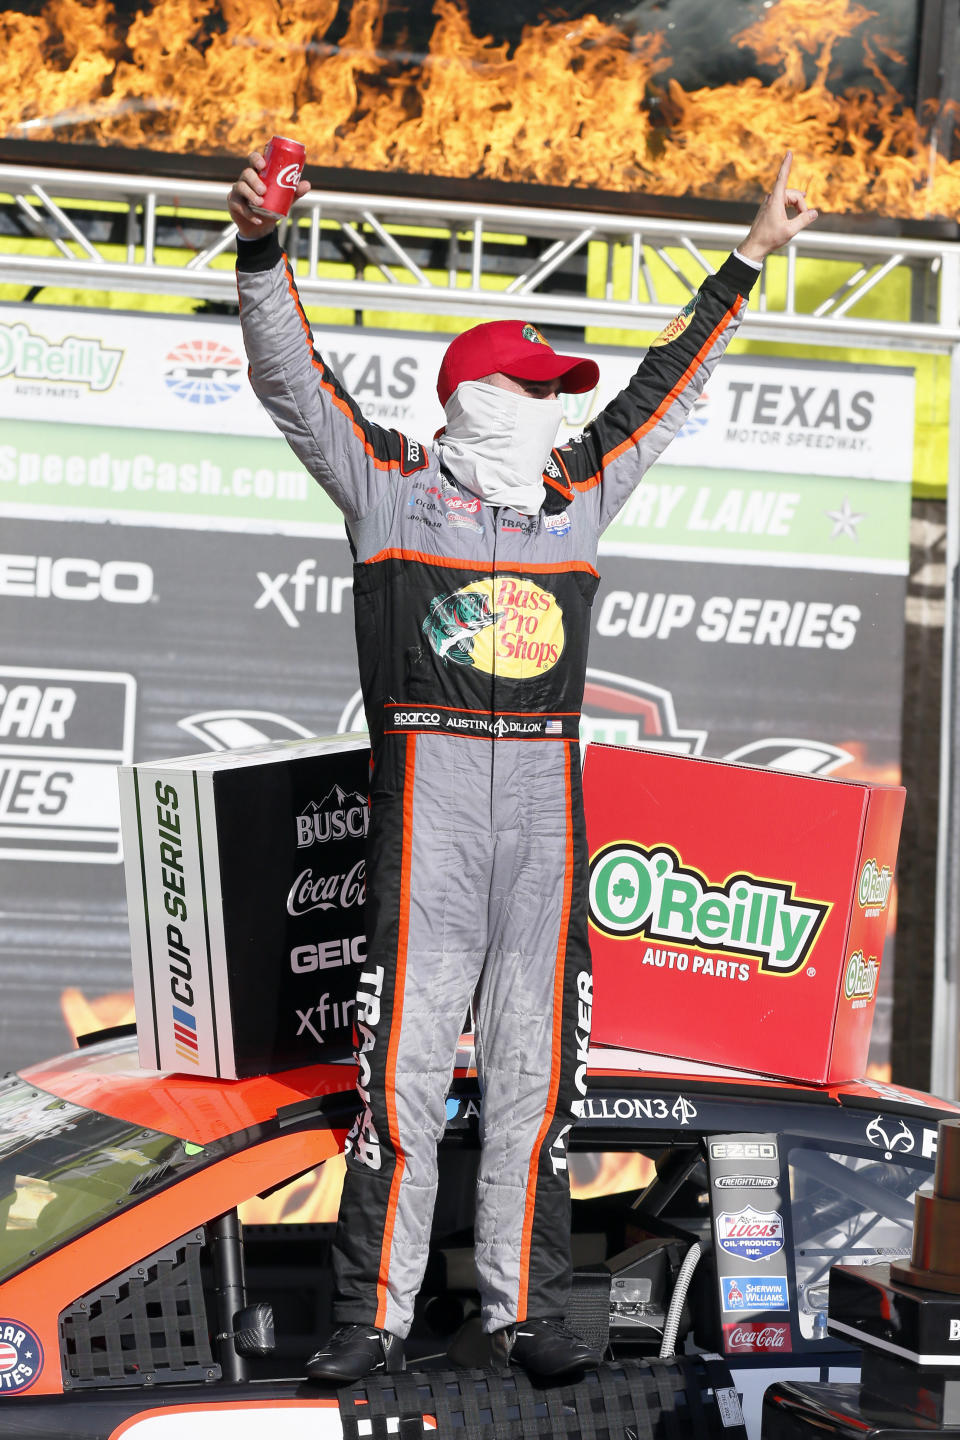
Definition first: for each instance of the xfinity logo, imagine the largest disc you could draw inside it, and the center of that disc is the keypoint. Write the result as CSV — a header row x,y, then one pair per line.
x,y
301,591
45,577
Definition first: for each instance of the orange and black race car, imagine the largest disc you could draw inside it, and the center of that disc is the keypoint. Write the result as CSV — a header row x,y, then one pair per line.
x,y
708,1209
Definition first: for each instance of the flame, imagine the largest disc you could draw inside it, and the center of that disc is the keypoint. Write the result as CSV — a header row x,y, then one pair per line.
x,y
575,103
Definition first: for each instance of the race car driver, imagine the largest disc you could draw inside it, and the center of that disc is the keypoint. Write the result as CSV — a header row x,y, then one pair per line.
x,y
475,565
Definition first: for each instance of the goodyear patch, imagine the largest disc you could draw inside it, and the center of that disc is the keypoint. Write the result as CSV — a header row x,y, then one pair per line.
x,y
21,1357
677,325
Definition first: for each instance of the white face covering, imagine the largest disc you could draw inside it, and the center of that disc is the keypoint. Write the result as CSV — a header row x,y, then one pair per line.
x,y
497,442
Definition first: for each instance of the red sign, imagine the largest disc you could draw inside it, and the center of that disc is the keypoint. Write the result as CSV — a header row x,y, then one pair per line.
x,y
757,1337
737,914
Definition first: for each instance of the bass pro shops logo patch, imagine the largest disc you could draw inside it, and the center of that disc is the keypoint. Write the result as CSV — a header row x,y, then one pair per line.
x,y
502,625
21,1357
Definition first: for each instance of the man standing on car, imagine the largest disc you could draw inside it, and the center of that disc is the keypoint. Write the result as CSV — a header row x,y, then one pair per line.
x,y
475,568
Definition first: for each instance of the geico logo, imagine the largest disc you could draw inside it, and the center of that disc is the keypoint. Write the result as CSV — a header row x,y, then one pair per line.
x,y
328,954
36,712
121,582
416,717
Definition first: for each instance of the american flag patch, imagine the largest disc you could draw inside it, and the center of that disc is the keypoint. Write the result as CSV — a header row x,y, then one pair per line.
x,y
553,727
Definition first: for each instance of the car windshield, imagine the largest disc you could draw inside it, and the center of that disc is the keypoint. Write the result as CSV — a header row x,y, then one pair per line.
x,y
64,1169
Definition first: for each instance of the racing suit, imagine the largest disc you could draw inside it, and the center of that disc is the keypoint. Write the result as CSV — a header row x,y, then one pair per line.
x,y
472,625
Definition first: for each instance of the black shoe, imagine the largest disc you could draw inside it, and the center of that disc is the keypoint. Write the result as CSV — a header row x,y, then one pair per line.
x,y
354,1351
544,1348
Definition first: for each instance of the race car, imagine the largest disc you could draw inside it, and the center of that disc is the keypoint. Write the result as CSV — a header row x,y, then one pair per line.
x,y
708,1208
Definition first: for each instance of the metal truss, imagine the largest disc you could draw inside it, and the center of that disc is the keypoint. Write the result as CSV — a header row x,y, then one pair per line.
x,y
166,237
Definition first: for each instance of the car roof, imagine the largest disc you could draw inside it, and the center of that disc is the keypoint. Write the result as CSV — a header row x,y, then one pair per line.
x,y
106,1076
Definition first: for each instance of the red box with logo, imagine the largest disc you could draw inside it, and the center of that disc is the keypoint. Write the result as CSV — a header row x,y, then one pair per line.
x,y
737,914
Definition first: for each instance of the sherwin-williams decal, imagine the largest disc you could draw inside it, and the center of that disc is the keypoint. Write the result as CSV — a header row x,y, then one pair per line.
x,y
750,1234
649,892
502,625
754,1292
21,1357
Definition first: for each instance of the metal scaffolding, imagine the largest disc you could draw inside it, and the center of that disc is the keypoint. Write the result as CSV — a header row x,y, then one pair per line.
x,y
166,237
144,234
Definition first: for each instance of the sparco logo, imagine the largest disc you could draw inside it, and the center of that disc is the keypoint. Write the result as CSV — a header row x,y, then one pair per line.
x,y
874,887
635,891
76,360
860,978
43,577
337,816
328,892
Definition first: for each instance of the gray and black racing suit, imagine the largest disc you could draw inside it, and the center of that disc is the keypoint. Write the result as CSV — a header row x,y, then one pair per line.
x,y
472,625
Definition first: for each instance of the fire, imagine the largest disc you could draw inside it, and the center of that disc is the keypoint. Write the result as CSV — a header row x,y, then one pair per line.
x,y
576,103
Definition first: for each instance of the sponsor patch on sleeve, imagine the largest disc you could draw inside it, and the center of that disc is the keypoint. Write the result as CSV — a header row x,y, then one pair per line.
x,y
413,456
677,325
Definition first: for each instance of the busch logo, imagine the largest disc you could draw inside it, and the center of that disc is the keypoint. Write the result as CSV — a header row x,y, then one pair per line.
x,y
363,1141
328,892
860,978
874,887
754,1337
635,891
750,1234
337,816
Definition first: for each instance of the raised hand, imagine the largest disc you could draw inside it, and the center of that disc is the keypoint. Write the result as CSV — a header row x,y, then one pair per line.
x,y
774,225
247,190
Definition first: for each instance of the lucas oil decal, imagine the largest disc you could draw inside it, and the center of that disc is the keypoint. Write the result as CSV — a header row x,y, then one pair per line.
x,y
501,625
649,893
750,1234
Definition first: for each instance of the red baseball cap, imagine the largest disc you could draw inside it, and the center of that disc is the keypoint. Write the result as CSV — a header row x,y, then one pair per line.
x,y
511,347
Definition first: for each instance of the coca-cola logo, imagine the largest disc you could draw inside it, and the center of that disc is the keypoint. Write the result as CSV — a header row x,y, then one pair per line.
x,y
289,177
328,892
754,1337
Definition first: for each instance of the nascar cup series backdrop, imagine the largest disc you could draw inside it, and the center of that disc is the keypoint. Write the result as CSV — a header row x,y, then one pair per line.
x,y
171,582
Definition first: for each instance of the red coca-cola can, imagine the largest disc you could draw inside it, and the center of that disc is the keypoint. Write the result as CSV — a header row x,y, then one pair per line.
x,y
281,175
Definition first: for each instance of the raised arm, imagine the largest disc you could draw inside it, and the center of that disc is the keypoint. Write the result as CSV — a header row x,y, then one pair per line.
x,y
628,435
354,460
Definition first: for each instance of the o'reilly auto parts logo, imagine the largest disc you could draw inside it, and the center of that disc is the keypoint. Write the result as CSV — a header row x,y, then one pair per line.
x,y
873,887
62,735
860,980
75,360
337,816
636,892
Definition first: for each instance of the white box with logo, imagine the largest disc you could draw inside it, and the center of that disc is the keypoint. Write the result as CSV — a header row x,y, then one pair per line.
x,y
245,874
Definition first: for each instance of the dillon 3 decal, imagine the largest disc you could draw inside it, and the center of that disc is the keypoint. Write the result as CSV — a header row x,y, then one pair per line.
x,y
501,624
649,893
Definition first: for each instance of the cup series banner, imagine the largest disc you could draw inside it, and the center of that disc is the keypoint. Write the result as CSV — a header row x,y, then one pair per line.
x,y
173,583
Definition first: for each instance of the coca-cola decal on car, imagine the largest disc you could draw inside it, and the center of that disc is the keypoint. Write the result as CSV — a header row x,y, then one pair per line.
x,y
750,1234
757,1337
